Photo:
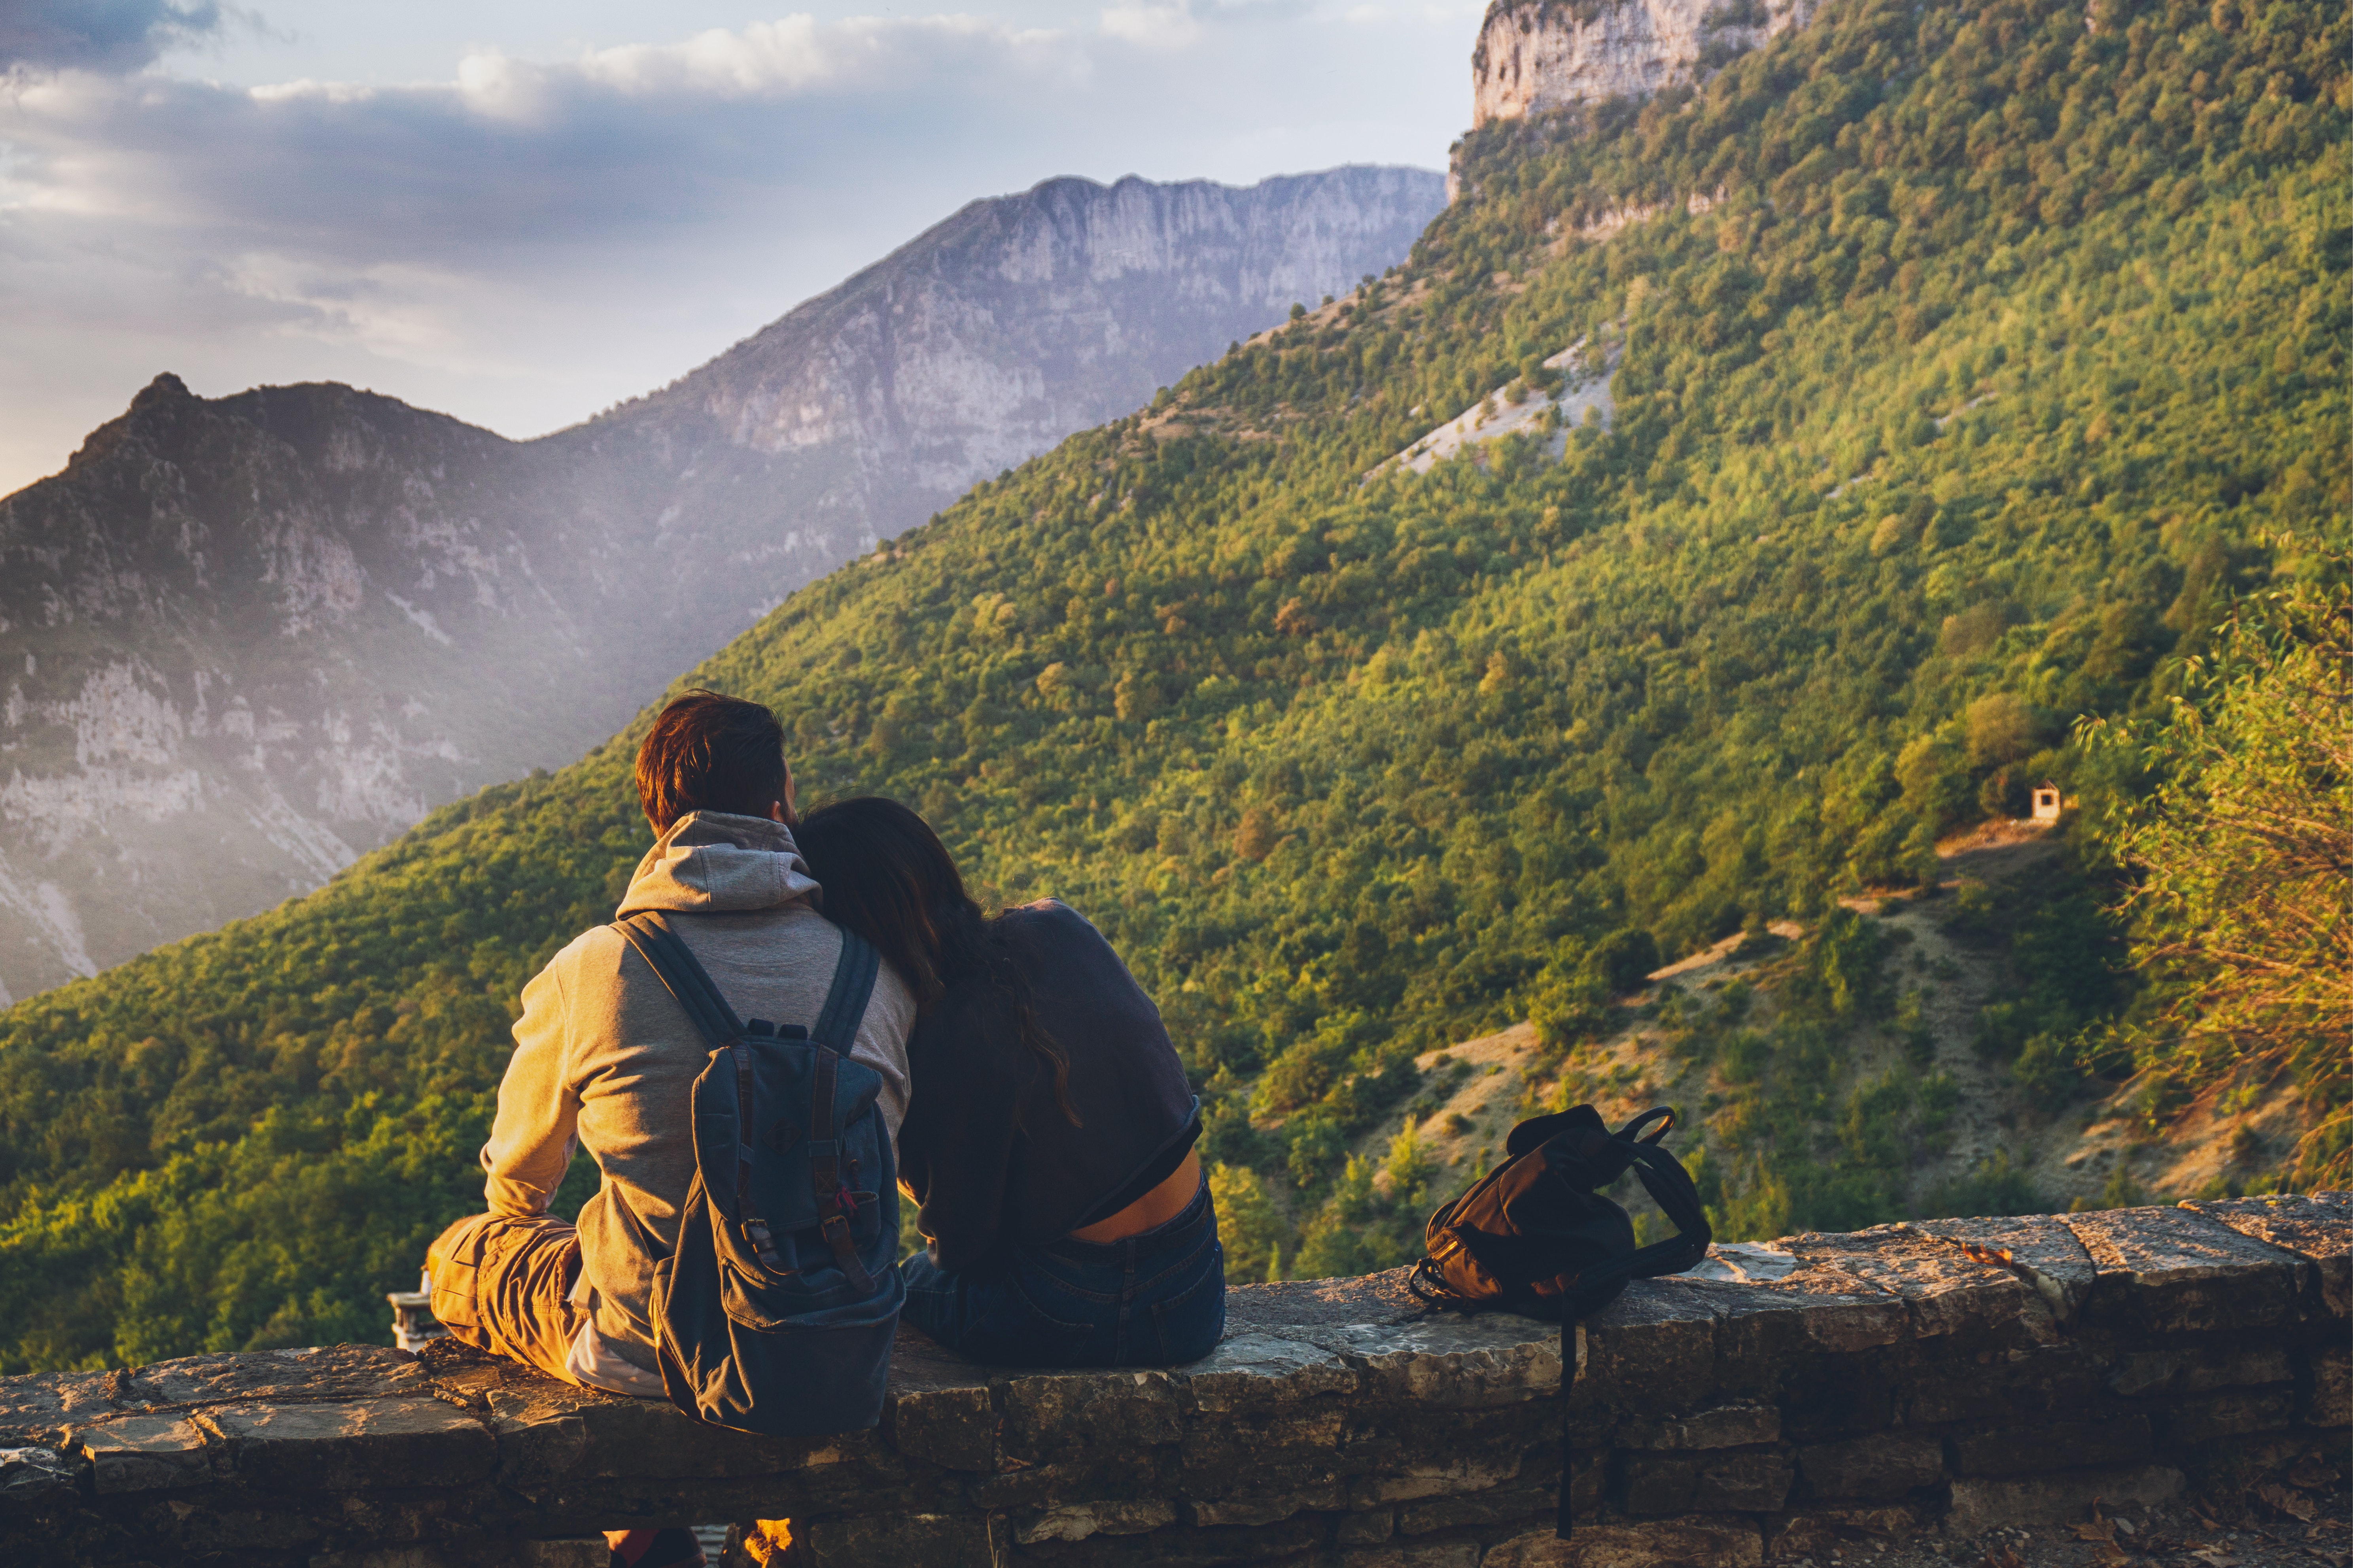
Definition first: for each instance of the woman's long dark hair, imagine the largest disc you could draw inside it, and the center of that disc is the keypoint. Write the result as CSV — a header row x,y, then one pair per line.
x,y
887,876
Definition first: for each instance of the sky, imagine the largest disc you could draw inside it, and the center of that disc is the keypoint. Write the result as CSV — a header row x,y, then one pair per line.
x,y
521,212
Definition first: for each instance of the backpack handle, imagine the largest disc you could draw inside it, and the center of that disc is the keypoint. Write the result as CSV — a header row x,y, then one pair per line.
x,y
1671,1187
1663,1114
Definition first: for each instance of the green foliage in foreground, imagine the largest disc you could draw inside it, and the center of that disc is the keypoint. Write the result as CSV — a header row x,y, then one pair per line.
x,y
1958,415
2244,863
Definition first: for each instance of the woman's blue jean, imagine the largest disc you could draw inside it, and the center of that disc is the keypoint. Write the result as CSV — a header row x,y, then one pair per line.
x,y
1154,1300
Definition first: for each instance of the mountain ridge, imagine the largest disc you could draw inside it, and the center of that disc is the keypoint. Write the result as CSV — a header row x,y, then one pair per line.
x,y
1912,463
425,606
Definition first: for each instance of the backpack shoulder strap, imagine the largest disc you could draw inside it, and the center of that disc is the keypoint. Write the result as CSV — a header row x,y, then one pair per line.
x,y
1671,1187
845,1000
675,963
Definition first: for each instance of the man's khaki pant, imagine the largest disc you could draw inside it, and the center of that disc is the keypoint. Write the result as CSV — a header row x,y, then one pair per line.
x,y
505,1284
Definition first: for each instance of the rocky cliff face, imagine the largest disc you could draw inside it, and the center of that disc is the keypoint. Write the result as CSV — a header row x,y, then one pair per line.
x,y
244,640
1536,55
976,347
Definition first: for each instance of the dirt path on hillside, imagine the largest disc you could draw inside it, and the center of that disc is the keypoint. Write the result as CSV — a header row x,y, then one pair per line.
x,y
1483,1086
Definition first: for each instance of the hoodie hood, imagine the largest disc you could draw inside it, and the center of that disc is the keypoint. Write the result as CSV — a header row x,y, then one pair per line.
x,y
713,862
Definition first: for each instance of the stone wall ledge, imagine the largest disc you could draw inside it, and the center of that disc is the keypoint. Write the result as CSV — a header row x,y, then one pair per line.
x,y
1944,1374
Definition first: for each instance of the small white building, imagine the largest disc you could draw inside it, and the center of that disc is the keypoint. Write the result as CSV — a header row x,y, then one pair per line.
x,y
2046,802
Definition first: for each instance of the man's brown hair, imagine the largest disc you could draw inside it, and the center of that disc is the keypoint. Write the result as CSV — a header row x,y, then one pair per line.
x,y
710,753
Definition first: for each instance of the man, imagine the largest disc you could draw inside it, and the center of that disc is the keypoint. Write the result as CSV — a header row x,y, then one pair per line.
x,y
605,1057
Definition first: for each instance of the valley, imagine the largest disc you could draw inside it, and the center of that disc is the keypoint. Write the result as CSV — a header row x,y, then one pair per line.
x,y
1999,371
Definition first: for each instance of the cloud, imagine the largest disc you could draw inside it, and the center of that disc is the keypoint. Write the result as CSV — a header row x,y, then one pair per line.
x,y
522,241
1154,24
116,35
510,151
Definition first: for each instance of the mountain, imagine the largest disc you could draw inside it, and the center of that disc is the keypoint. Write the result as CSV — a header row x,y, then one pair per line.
x,y
1998,358
247,639
1540,57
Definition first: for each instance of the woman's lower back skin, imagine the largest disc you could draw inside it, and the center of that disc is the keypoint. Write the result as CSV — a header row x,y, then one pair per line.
x,y
1049,1135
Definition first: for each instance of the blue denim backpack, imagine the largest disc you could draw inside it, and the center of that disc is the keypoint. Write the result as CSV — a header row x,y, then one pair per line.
x,y
776,1312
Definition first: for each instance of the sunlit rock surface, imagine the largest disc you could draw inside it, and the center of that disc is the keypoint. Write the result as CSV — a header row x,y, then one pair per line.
x,y
1537,56
1813,1394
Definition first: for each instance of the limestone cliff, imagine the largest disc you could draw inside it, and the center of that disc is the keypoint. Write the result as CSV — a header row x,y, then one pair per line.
x,y
1536,55
244,640
978,345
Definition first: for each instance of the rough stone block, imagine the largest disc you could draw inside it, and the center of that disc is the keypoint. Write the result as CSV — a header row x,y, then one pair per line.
x,y
935,1540
1078,1520
1952,1290
588,1551
2199,1370
535,1450
1448,1363
2039,1248
1752,1480
1884,1466
242,1534
1726,1427
1846,1308
1767,1335
1500,1506
955,1427
35,1411
1051,1413
1982,1503
367,1443
648,1440
1677,1543
143,1453
1364,1528
31,1478
1263,1373
332,1372
1269,1508
2318,1228
1134,1471
1434,1477
2327,1399
2001,1386
1430,1555
1655,1346
1308,1450
1825,1397
2233,1414
1177,1547
2019,1450
2166,1270
1818,1531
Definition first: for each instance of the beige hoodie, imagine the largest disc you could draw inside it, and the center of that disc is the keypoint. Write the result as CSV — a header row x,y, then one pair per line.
x,y
605,1055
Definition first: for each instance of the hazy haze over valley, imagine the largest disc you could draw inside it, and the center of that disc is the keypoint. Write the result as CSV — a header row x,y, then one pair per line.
x,y
245,639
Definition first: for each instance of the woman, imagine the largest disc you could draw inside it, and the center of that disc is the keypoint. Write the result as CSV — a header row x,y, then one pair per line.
x,y
1049,1135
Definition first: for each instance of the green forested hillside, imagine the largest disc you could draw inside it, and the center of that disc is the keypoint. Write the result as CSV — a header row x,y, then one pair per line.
x,y
2001,353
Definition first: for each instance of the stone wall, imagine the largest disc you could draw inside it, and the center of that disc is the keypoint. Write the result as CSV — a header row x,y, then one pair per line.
x,y
1945,1374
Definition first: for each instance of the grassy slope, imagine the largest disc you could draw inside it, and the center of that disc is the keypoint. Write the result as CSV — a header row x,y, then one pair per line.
x,y
1955,416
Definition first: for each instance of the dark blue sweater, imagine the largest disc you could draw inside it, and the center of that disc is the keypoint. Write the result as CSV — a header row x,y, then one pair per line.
x,y
986,1149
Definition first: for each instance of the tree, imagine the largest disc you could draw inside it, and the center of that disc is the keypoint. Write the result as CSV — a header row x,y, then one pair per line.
x,y
2244,853
1247,1224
